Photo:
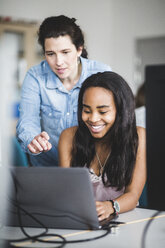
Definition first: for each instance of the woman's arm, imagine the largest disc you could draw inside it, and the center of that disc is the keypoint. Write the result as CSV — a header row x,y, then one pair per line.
x,y
132,193
65,146
28,125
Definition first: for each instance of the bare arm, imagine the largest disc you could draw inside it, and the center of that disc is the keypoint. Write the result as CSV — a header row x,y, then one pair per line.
x,y
133,191
65,146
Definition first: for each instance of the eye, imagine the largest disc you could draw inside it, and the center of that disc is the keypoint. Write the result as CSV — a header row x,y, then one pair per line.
x,y
49,54
66,52
86,111
103,112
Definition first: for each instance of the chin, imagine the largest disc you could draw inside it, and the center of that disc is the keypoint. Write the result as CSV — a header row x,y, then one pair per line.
x,y
100,136
97,136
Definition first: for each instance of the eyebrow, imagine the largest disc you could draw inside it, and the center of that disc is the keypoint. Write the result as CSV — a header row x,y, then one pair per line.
x,y
48,51
64,50
99,107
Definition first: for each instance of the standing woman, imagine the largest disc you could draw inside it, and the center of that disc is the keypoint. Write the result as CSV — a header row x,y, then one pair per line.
x,y
50,90
108,143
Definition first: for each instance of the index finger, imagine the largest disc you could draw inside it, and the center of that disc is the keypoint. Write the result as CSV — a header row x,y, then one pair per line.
x,y
45,135
98,203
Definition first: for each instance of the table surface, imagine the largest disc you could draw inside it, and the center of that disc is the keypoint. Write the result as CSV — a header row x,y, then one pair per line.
x,y
128,235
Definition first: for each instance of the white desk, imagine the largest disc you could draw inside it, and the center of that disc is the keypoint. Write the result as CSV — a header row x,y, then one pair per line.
x,y
128,235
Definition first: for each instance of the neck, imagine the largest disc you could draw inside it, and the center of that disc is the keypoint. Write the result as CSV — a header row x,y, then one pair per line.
x,y
102,148
72,80
103,142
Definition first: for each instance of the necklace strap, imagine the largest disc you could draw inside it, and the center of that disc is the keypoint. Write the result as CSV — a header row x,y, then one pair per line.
x,y
100,164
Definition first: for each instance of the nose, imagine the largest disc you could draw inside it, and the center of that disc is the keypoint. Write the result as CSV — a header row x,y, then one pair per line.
x,y
59,60
94,117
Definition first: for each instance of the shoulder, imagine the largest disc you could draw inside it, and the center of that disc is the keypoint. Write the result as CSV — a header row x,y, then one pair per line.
x,y
65,146
67,134
94,66
69,131
40,69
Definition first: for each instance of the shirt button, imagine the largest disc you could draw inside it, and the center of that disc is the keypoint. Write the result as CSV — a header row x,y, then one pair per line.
x,y
68,113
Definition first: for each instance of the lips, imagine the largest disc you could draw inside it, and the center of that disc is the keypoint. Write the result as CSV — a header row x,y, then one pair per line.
x,y
96,128
61,71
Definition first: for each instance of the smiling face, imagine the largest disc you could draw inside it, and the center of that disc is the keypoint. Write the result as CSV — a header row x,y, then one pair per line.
x,y
62,56
99,111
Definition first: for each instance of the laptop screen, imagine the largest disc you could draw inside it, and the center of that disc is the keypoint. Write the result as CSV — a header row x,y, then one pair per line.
x,y
57,197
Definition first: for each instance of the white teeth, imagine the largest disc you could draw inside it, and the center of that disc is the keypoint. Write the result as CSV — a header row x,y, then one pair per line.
x,y
96,127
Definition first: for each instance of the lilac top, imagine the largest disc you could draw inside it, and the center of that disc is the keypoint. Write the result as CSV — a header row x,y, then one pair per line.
x,y
102,193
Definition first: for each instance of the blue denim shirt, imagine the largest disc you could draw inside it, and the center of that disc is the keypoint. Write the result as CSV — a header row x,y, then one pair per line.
x,y
46,105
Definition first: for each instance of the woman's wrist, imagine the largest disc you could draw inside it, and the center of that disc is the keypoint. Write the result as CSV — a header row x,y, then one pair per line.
x,y
115,206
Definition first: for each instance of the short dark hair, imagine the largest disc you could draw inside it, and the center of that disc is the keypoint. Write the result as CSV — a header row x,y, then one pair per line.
x,y
122,136
56,26
140,96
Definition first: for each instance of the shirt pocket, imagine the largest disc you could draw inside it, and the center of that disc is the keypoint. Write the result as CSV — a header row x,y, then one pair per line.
x,y
75,116
50,117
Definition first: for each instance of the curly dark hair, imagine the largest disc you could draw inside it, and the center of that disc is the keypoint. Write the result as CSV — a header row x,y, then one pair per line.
x,y
122,136
56,26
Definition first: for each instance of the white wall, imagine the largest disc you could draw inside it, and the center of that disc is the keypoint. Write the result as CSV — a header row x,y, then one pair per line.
x,y
134,19
111,26
91,16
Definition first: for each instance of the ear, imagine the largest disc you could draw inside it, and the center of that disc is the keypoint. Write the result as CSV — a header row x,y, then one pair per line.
x,y
79,51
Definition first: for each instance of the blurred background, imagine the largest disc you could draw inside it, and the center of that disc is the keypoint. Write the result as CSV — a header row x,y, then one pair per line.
x,y
125,34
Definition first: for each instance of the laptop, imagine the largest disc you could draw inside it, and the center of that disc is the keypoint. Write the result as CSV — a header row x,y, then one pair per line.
x,y
56,197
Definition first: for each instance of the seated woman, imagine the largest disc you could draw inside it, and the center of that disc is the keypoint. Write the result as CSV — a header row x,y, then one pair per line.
x,y
108,143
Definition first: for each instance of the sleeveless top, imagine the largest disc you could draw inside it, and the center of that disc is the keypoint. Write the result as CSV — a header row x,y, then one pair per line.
x,y
102,193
